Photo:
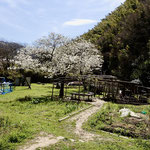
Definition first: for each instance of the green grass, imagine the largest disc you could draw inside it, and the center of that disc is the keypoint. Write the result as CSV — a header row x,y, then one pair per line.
x,y
100,145
110,115
108,141
20,92
24,113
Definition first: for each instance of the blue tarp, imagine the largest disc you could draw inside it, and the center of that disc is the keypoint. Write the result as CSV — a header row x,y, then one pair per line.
x,y
5,87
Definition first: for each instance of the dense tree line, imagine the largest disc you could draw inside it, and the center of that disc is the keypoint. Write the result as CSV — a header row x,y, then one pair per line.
x,y
124,39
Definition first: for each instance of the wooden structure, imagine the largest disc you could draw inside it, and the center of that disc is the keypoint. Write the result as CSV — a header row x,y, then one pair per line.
x,y
73,88
106,87
82,96
123,91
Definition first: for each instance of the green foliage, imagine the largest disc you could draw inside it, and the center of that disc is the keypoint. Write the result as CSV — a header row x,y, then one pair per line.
x,y
123,38
16,137
70,108
4,145
145,145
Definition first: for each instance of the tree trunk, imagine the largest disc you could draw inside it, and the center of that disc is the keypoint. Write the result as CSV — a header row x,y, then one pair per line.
x,y
84,85
61,93
58,85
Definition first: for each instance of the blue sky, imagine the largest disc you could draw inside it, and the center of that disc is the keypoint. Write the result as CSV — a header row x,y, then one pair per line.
x,y
25,21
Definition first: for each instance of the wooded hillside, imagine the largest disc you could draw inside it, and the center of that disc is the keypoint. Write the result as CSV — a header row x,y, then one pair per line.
x,y
124,39
8,51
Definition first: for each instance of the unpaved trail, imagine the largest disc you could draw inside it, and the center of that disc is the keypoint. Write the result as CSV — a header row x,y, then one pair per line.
x,y
45,140
83,117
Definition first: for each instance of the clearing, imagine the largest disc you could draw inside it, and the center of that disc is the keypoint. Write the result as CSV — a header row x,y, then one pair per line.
x,y
29,117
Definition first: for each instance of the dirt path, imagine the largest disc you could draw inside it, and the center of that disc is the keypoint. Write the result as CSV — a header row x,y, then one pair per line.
x,y
45,140
83,117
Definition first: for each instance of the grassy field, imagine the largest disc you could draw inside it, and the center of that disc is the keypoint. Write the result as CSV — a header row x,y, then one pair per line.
x,y
38,90
96,124
24,113
115,144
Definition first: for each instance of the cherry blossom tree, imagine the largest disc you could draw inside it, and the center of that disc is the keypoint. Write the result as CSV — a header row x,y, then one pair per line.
x,y
39,57
77,56
51,42
34,59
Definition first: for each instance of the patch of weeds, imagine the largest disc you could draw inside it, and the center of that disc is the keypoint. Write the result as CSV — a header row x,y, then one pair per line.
x,y
129,114
70,108
4,145
4,122
120,107
16,137
40,100
145,145
37,101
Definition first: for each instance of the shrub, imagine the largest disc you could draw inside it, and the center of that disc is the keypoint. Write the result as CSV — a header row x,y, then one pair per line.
x,y
16,137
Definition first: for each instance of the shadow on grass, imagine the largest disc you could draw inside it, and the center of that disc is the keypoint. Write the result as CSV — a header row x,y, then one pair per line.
x,y
35,100
44,99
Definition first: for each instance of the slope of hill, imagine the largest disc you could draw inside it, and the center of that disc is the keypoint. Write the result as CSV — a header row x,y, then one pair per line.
x,y
124,39
7,52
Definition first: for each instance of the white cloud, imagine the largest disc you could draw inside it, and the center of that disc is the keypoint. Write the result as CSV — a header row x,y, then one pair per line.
x,y
79,22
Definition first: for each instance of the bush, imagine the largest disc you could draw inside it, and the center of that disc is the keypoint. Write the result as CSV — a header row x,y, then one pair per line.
x,y
16,137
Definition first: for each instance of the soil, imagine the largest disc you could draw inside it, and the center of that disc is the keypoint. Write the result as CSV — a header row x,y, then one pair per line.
x,y
131,127
83,117
43,140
